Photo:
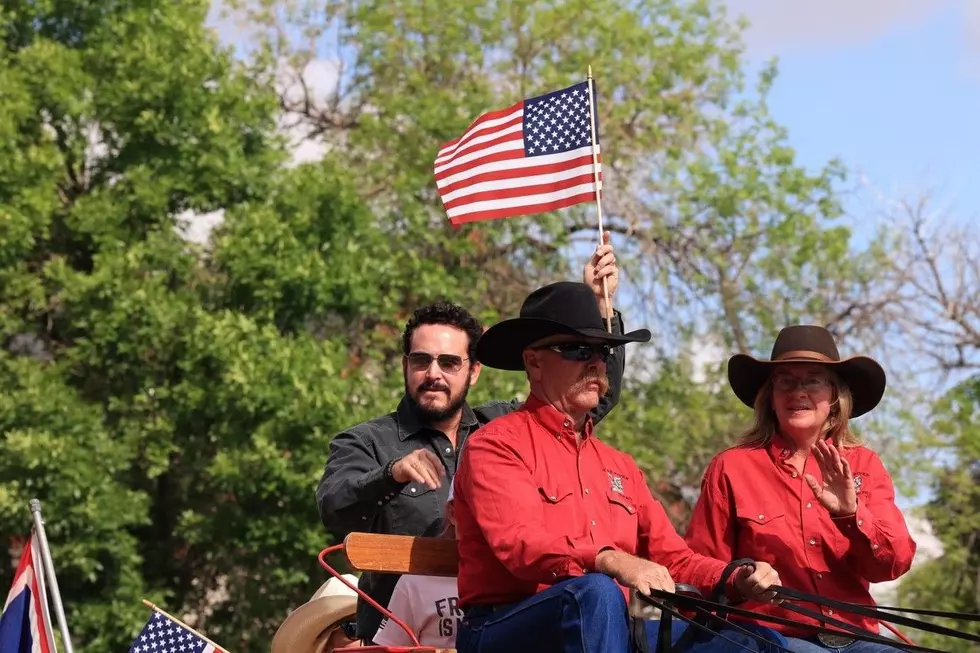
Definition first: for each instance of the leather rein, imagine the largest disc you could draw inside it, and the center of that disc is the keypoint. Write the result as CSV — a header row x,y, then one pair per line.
x,y
712,615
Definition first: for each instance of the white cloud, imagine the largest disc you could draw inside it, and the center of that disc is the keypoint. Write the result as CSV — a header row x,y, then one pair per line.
x,y
779,26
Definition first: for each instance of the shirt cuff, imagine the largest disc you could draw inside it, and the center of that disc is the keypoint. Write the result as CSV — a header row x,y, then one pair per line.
x,y
588,560
379,485
732,593
858,527
581,564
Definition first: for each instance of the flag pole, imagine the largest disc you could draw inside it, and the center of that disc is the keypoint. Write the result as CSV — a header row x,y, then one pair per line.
x,y
43,591
182,624
598,200
59,609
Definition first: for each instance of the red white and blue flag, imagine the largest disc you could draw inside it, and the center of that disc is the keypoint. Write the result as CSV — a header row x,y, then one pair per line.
x,y
161,634
25,626
532,157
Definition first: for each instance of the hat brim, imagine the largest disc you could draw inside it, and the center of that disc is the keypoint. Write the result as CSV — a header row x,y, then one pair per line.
x,y
502,345
304,625
864,377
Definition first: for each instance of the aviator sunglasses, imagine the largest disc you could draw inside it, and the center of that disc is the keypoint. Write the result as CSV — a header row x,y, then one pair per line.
x,y
451,363
580,352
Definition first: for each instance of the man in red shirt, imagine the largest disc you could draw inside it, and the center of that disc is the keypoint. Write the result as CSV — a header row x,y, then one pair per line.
x,y
555,527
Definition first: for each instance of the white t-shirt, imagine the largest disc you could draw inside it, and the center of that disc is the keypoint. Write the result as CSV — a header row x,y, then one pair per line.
x,y
429,605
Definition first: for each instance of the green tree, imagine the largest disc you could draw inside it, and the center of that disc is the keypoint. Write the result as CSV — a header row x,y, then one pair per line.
x,y
128,390
952,581
171,404
718,223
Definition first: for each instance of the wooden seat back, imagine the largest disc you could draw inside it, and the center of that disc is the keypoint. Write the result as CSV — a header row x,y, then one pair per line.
x,y
402,554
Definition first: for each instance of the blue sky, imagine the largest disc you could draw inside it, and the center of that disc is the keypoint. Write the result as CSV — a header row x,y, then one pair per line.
x,y
897,97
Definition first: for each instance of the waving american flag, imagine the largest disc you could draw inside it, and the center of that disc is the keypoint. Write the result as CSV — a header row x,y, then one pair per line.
x,y
532,157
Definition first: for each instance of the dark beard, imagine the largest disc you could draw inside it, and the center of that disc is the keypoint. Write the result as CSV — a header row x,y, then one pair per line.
x,y
429,415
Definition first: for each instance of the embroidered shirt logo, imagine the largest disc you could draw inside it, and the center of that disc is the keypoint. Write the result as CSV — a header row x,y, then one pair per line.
x,y
858,478
616,483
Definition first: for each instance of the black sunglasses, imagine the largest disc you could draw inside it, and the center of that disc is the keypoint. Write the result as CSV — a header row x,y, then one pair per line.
x,y
451,363
580,352
350,629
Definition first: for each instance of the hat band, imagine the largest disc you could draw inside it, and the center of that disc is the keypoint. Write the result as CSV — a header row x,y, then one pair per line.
x,y
804,353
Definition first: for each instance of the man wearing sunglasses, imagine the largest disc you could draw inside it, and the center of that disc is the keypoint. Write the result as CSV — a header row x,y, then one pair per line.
x,y
554,526
391,474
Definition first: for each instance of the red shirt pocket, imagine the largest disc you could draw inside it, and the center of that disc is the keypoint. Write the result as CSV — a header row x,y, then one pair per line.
x,y
559,506
763,533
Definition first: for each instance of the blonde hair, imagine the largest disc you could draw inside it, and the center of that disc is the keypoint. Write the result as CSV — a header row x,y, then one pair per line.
x,y
760,434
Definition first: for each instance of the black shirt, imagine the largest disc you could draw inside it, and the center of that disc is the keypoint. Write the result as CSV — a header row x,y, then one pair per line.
x,y
357,493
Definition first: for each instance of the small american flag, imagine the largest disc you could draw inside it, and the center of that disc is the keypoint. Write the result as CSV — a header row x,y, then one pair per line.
x,y
163,635
532,157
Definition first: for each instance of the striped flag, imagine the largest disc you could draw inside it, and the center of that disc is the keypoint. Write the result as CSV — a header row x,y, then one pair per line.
x,y
25,626
532,157
164,634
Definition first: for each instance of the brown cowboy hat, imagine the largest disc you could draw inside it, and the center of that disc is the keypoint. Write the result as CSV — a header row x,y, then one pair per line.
x,y
308,627
805,343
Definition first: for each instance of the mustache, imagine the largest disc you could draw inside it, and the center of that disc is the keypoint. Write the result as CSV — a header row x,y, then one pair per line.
x,y
432,385
601,381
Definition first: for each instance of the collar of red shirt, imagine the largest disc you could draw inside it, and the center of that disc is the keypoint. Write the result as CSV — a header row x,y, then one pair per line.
x,y
553,420
780,448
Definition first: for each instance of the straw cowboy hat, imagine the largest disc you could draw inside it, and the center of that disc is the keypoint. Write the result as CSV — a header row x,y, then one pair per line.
x,y
308,627
566,308
864,377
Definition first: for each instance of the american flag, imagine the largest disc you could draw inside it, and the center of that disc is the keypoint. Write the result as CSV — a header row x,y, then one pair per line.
x,y
532,157
164,635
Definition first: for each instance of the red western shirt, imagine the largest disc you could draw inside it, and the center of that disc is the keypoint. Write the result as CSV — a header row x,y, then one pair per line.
x,y
754,504
533,508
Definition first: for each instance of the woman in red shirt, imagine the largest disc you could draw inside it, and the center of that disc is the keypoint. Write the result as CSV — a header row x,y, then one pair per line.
x,y
800,491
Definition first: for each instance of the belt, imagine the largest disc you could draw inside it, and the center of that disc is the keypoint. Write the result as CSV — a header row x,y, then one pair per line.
x,y
482,609
836,641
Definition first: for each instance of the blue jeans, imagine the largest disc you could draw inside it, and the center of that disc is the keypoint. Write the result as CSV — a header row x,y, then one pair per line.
x,y
812,645
587,614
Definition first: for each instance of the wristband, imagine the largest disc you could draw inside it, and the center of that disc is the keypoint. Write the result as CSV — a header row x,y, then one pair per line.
x,y
387,474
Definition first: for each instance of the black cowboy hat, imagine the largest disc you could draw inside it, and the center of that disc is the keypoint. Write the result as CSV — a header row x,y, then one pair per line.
x,y
565,307
864,377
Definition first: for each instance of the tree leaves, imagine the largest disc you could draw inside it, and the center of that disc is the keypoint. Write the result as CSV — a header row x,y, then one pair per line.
x,y
952,581
171,403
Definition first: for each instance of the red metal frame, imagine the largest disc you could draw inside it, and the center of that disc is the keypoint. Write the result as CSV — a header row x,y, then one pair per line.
x,y
898,633
416,647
